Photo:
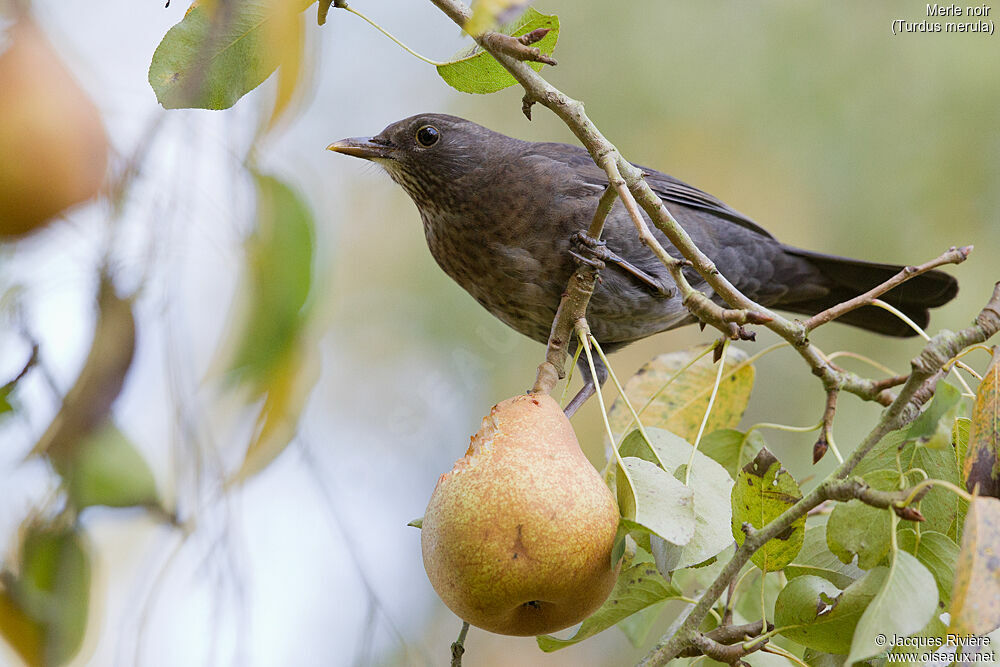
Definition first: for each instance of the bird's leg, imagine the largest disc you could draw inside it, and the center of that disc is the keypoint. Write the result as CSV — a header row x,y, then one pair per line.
x,y
589,387
596,250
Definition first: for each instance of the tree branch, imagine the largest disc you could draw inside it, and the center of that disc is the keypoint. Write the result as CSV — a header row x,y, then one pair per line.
x,y
721,638
572,305
519,48
951,256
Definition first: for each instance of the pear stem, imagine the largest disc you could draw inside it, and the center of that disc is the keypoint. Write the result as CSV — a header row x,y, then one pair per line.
x,y
458,647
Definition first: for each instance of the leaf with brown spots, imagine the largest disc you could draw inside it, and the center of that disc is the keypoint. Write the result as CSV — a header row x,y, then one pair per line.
x,y
975,597
763,491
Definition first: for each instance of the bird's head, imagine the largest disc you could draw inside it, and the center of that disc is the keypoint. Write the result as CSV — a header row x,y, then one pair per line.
x,y
432,156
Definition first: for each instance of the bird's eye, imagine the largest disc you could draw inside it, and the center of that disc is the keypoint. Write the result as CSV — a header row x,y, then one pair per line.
x,y
427,136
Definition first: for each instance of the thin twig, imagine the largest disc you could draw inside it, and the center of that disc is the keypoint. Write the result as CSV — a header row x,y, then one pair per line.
x,y
520,47
951,256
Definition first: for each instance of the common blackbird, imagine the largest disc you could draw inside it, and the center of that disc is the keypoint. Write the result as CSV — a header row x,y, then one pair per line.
x,y
504,218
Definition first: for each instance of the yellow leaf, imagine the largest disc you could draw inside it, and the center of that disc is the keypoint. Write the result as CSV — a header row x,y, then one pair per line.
x,y
680,407
286,39
982,459
975,597
25,635
487,13
287,393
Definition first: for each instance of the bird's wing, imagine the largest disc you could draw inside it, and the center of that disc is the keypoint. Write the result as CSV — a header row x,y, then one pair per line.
x,y
673,190
667,187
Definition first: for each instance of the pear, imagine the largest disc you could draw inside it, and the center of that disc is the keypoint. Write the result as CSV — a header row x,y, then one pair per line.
x,y
517,538
53,147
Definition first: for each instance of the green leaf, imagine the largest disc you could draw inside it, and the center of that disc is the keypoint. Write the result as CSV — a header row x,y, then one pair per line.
x,y
905,603
279,257
711,485
638,587
731,448
222,50
276,351
417,523
680,406
52,589
818,615
662,504
476,71
858,529
937,552
764,490
943,510
816,559
933,427
960,439
5,392
106,469
637,626
975,597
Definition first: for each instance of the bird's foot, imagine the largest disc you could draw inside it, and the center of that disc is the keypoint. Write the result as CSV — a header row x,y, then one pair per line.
x,y
596,253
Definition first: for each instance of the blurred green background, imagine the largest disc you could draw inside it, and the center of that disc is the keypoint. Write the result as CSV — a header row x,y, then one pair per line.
x,y
812,118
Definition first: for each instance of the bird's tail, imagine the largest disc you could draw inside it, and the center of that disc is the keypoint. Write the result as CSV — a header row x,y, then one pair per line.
x,y
851,277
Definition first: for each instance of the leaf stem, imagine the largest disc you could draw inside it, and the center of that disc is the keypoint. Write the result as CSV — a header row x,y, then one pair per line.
x,y
583,331
708,410
860,357
666,384
923,334
957,490
390,36
777,650
621,391
785,427
763,600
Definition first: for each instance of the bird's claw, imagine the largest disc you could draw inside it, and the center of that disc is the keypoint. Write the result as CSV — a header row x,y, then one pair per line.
x,y
594,262
597,252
